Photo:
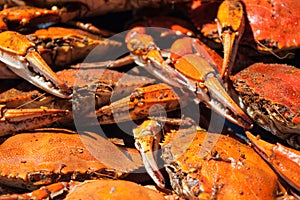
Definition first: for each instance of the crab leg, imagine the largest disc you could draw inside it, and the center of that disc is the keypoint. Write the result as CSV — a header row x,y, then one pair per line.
x,y
285,161
191,72
45,192
13,120
23,59
231,26
110,64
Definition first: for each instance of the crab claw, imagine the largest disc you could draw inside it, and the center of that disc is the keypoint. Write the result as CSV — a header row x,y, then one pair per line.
x,y
210,90
285,161
231,24
22,58
146,53
146,142
191,72
13,120
139,104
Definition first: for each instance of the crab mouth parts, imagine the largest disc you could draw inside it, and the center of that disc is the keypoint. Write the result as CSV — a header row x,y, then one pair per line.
x,y
280,127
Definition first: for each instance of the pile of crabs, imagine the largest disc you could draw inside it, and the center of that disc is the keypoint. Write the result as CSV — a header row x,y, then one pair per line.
x,y
111,100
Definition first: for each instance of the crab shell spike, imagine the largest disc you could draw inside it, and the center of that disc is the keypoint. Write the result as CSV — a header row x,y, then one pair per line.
x,y
231,26
285,161
13,120
145,140
201,71
23,59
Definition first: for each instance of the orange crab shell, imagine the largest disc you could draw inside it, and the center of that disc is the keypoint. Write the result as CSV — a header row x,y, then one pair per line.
x,y
112,189
266,16
91,189
264,79
216,166
271,24
271,94
30,160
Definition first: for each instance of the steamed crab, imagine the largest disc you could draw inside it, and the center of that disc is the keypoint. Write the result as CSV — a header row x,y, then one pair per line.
x,y
88,81
191,69
148,56
182,169
57,155
204,165
267,103
274,107
22,55
251,24
261,21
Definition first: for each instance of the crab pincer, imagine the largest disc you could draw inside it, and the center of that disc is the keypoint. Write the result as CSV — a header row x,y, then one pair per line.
x,y
146,142
231,25
195,63
285,161
191,71
21,56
